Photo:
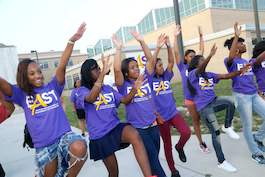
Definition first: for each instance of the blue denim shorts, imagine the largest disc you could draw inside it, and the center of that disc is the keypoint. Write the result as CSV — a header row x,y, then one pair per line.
x,y
60,149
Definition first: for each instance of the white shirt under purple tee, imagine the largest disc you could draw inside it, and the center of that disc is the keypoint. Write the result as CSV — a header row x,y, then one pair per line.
x,y
259,72
163,97
74,98
44,114
205,92
183,69
101,116
243,83
140,112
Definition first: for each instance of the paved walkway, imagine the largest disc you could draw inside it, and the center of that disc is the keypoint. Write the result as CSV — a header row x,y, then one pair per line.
x,y
19,162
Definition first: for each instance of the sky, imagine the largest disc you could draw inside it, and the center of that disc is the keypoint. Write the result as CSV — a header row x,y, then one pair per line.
x,y
48,25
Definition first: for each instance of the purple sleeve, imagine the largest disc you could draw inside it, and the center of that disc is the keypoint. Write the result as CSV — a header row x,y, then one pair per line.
x,y
72,96
16,95
59,89
117,97
82,92
167,75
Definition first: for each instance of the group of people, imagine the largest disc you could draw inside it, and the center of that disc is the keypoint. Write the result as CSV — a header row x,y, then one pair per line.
x,y
147,97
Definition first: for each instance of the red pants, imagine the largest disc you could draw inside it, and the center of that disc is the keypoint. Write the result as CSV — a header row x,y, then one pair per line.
x,y
180,124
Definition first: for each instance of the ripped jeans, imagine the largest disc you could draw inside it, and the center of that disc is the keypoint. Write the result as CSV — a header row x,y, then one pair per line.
x,y
209,117
60,149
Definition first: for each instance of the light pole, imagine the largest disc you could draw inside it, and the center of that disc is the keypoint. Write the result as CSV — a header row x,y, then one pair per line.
x,y
35,51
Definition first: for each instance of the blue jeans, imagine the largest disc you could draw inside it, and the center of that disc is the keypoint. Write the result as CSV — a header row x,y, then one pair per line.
x,y
209,117
247,104
151,139
60,149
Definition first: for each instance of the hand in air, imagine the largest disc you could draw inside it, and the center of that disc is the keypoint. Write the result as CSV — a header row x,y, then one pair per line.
x,y
213,50
161,40
137,36
237,30
177,30
79,32
106,64
117,41
168,44
200,30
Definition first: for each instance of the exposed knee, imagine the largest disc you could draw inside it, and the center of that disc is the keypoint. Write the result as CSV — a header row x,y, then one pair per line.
x,y
78,148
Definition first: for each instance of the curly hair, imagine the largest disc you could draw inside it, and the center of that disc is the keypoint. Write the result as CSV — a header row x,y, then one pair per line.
x,y
229,42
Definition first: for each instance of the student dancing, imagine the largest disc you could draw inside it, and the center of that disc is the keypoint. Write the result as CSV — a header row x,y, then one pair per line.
x,y
106,132
58,149
166,106
246,95
201,85
183,69
139,113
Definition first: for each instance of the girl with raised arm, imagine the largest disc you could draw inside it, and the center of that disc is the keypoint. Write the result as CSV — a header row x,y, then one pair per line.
x,y
183,69
201,85
246,95
140,112
166,106
58,149
106,132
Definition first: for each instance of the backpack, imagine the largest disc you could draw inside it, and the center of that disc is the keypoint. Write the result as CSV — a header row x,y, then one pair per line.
x,y
27,139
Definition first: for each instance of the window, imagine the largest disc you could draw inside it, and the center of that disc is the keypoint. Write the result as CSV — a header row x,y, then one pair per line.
x,y
44,65
56,63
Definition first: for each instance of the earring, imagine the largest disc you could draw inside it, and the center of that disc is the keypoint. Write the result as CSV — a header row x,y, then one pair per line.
x,y
126,74
237,51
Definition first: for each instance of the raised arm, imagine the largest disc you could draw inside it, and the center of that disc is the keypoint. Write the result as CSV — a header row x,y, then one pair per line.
x,y
234,74
150,60
232,52
259,59
201,49
137,84
9,106
60,71
160,42
176,48
203,64
117,61
91,97
170,55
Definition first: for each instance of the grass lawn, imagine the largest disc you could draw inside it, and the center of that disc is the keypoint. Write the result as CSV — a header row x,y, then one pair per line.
x,y
224,87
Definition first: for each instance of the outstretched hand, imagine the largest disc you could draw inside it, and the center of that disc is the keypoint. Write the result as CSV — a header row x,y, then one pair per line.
x,y
161,40
213,50
245,68
79,32
117,41
106,64
200,30
168,44
237,31
139,81
177,30
137,36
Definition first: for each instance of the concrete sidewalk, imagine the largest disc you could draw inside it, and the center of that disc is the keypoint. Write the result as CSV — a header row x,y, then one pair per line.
x,y
19,162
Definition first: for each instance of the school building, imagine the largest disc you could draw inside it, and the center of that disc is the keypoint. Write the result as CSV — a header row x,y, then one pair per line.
x,y
217,18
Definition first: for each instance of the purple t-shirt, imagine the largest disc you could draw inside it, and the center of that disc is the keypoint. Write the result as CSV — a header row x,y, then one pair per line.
x,y
44,114
140,112
260,74
101,116
242,83
183,69
73,98
205,92
164,102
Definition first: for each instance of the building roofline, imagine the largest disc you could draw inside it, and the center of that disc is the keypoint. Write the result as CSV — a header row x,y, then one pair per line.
x,y
47,52
57,56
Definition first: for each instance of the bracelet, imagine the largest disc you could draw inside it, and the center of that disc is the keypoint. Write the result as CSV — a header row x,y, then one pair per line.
x,y
143,44
99,84
118,49
70,42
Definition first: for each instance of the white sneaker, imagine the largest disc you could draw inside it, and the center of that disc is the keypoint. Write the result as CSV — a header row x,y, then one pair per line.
x,y
230,131
226,167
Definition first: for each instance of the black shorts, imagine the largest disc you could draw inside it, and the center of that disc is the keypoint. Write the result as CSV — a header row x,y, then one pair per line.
x,y
80,113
